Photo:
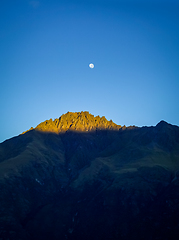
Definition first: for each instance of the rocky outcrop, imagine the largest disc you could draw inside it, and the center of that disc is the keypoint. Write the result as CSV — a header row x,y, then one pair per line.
x,y
78,121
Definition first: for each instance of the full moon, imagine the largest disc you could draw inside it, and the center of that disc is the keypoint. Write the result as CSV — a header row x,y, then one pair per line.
x,y
91,65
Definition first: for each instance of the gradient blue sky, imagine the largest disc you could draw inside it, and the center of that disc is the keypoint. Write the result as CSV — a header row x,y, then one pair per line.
x,y
46,47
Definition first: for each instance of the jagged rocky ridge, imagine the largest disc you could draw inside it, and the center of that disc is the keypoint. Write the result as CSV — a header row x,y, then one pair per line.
x,y
78,121
83,177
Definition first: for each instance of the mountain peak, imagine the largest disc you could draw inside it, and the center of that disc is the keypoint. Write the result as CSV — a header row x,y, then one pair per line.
x,y
162,123
77,121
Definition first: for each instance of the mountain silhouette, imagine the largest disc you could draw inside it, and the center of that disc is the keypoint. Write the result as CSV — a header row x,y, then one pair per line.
x,y
84,177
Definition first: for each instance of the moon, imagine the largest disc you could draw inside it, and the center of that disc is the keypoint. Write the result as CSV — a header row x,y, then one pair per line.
x,y
91,65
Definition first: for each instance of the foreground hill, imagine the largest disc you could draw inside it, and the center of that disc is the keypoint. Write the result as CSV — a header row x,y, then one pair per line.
x,y
83,177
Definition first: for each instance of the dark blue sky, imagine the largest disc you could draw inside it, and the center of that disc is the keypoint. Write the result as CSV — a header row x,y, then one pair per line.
x,y
46,47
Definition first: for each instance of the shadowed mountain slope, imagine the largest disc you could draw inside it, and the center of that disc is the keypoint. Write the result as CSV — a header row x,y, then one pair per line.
x,y
83,177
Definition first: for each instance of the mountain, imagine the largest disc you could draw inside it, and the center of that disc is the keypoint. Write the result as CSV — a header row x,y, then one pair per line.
x,y
84,177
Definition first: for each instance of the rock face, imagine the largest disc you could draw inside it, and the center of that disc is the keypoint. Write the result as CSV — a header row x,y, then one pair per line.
x,y
78,121
83,177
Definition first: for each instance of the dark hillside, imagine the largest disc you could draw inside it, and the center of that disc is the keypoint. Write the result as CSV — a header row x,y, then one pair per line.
x,y
83,177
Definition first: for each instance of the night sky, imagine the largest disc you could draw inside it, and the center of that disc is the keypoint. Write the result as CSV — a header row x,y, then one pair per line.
x,y
46,48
